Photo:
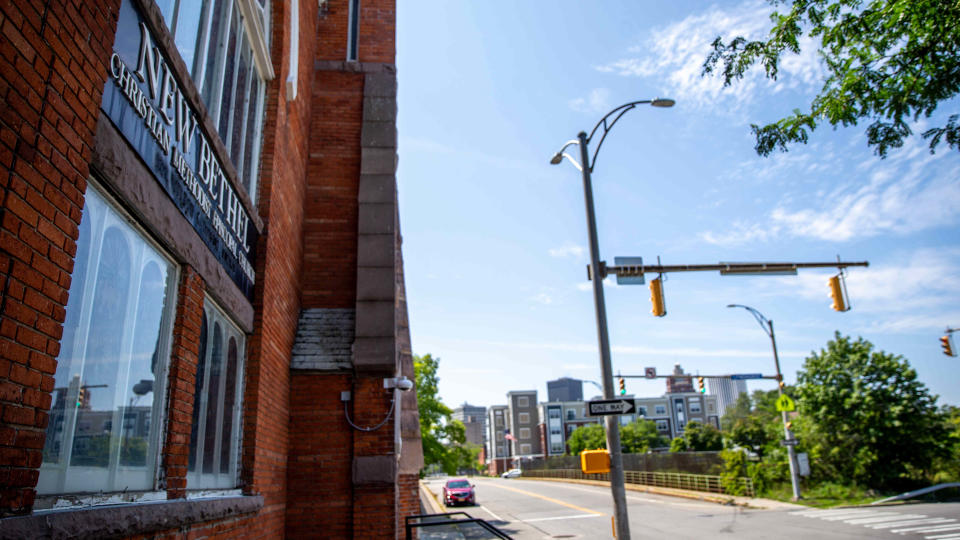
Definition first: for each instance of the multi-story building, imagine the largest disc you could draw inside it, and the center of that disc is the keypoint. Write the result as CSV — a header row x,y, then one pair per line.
x,y
497,449
203,284
523,418
474,420
565,389
558,421
672,412
727,391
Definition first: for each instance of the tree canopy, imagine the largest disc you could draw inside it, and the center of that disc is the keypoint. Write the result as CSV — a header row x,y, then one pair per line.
x,y
590,437
866,418
698,437
889,62
443,438
635,437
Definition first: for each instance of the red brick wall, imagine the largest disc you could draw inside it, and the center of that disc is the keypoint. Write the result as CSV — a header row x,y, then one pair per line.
x,y
409,501
333,175
182,378
378,18
266,442
53,65
321,453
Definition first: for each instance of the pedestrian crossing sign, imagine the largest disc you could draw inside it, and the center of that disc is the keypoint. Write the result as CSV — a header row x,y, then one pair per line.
x,y
784,403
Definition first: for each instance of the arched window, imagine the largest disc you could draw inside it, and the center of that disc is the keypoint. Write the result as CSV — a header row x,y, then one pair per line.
x,y
215,439
103,434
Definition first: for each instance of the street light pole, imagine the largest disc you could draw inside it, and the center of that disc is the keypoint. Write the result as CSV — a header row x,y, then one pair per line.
x,y
621,521
767,326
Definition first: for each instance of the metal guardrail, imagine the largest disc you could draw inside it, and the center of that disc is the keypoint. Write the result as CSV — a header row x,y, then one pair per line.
x,y
695,482
450,526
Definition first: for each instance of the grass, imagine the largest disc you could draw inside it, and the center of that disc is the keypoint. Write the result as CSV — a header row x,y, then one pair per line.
x,y
825,495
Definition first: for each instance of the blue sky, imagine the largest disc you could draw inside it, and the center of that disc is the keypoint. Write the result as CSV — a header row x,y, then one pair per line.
x,y
495,238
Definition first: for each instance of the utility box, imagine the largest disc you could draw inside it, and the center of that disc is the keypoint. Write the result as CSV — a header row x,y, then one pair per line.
x,y
595,461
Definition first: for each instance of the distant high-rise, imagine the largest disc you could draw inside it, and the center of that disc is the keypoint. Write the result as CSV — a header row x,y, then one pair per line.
x,y
565,389
727,392
474,419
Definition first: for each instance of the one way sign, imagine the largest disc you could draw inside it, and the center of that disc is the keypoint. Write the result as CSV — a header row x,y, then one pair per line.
x,y
611,406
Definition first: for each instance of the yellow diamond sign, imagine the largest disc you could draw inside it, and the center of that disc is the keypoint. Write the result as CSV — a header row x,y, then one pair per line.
x,y
784,403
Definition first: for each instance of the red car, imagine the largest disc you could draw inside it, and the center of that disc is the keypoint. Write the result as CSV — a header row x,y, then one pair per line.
x,y
459,491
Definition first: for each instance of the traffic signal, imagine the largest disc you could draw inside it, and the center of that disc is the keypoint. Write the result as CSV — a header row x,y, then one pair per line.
x,y
81,396
656,297
623,386
789,424
836,292
700,387
946,342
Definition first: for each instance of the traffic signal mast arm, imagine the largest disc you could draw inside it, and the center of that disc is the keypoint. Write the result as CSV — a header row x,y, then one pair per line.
x,y
730,376
725,268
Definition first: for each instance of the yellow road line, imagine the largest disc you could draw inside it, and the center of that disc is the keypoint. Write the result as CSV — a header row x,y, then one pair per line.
x,y
537,495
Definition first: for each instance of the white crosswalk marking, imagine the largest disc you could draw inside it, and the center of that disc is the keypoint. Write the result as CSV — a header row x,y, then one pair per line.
x,y
927,521
936,528
886,517
930,528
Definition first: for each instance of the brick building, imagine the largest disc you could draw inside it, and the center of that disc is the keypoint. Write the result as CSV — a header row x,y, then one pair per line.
x,y
203,300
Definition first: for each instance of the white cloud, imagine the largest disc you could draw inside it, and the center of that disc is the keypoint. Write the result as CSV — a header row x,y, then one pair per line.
x,y
597,101
543,298
567,250
587,286
910,191
674,56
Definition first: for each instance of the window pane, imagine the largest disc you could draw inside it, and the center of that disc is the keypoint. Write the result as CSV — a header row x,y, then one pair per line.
x,y
240,105
229,78
199,404
216,53
102,434
213,400
229,401
166,8
254,124
188,26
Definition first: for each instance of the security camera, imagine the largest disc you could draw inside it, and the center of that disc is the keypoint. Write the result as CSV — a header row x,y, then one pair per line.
x,y
400,383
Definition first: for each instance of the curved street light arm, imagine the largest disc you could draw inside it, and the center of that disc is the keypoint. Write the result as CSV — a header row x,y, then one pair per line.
x,y
761,320
616,113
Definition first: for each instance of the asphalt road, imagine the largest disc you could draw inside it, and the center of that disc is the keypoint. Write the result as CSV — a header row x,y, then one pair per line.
x,y
531,509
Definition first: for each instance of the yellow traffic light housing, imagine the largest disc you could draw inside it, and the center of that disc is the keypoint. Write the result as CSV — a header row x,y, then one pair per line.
x,y
595,461
656,297
700,387
623,386
836,292
946,343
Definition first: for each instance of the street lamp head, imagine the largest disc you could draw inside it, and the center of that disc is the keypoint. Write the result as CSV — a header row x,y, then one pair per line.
x,y
557,158
662,102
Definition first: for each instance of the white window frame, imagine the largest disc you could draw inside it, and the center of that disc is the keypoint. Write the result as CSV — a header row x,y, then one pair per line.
x,y
524,433
523,418
523,401
526,449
